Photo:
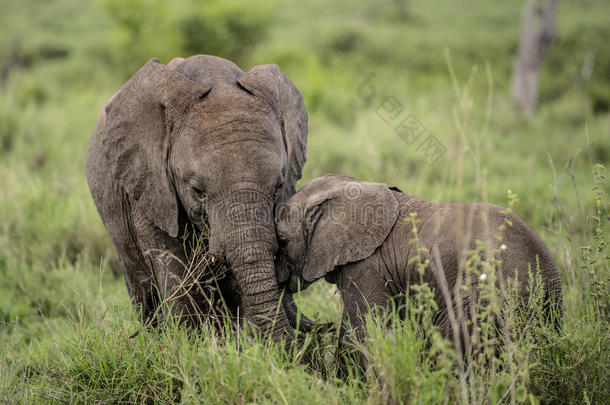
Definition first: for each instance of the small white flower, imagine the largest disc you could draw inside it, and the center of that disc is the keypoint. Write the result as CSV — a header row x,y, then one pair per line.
x,y
503,247
483,276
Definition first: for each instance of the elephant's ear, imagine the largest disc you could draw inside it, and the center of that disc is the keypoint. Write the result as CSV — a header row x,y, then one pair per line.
x,y
270,82
345,221
139,121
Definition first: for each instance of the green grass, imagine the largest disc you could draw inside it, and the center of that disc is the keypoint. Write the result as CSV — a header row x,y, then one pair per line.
x,y
65,317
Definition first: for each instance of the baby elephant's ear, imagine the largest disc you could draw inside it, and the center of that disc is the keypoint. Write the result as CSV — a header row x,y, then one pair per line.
x,y
346,221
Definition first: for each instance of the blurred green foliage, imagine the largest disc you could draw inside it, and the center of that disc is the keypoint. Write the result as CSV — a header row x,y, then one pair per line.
x,y
580,61
60,60
142,28
229,29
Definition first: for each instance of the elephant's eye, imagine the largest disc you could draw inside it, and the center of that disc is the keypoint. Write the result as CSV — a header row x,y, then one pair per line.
x,y
198,191
278,185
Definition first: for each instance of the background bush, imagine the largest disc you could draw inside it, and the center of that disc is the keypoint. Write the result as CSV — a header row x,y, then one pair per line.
x,y
65,317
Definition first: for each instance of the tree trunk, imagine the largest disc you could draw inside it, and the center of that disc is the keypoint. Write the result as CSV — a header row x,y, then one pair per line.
x,y
538,31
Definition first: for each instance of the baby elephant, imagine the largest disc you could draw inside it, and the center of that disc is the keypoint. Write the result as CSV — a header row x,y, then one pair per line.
x,y
354,234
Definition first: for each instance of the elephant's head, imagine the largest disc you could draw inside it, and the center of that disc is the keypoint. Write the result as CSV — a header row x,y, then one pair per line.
x,y
201,141
332,221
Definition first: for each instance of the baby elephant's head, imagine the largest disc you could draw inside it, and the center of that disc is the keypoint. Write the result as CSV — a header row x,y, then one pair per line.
x,y
332,221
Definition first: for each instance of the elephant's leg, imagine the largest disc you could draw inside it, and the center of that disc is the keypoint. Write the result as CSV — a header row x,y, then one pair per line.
x,y
113,204
153,264
176,280
363,289
351,336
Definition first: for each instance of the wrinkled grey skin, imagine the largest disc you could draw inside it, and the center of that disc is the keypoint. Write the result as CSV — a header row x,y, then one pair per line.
x,y
354,234
199,142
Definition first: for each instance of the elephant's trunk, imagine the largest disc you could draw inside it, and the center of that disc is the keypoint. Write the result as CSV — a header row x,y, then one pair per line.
x,y
242,228
261,299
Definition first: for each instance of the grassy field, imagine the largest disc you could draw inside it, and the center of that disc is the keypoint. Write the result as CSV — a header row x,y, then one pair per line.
x,y
65,317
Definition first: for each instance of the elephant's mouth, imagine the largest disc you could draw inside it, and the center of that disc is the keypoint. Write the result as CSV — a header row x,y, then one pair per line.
x,y
298,320
294,284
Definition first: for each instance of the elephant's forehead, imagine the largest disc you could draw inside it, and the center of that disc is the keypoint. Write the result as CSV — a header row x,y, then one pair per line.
x,y
290,214
229,97
241,129
242,110
232,151
284,227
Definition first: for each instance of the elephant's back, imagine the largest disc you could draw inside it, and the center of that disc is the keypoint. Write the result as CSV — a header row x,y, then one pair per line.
x,y
450,228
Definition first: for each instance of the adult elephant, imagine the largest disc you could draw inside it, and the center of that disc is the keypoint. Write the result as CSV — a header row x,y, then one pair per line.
x,y
199,142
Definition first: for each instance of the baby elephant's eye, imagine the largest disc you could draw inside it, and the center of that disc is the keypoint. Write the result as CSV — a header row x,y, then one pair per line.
x,y
281,240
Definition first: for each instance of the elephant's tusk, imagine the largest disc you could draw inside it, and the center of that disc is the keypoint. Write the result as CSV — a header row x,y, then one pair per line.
x,y
213,259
